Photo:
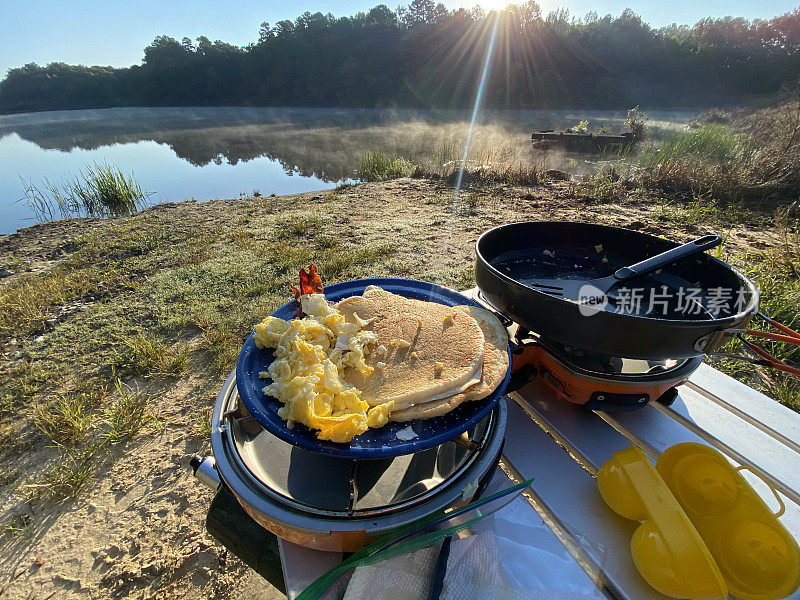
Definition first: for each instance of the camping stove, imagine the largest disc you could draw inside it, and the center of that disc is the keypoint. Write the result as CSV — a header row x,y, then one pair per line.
x,y
324,502
593,380
266,487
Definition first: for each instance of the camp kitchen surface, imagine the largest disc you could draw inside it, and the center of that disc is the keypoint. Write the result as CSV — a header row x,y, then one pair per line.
x,y
581,405
563,446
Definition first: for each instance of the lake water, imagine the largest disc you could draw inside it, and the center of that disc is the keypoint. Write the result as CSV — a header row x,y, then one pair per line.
x,y
205,153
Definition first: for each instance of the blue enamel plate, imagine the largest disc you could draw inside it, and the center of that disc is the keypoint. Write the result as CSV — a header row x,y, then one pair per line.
x,y
373,443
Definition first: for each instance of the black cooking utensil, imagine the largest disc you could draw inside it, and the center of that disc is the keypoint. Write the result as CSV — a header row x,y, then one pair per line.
x,y
573,288
510,256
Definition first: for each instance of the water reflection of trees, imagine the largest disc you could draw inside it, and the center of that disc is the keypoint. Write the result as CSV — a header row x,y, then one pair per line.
x,y
327,143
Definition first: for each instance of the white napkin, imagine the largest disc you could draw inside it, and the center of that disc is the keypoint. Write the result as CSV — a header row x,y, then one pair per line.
x,y
406,577
475,569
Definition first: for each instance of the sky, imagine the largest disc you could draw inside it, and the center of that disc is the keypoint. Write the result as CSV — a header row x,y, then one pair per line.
x,y
115,33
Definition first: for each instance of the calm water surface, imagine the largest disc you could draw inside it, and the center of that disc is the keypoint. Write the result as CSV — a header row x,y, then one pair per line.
x,y
205,153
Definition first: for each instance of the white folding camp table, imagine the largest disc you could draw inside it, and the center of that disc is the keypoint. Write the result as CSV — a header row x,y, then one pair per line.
x,y
562,446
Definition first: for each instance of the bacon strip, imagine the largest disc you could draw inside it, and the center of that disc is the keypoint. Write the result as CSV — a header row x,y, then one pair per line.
x,y
310,283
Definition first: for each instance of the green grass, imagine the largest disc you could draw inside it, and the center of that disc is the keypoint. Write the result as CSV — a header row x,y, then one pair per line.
x,y
326,242
777,275
607,185
446,152
83,427
714,142
67,420
146,289
703,211
751,158
17,526
8,477
99,190
467,204
165,300
128,415
25,380
380,166
297,226
71,474
147,355
24,306
9,439
201,423
713,160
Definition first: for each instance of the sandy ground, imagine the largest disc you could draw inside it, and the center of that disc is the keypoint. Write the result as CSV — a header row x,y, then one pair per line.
x,y
138,531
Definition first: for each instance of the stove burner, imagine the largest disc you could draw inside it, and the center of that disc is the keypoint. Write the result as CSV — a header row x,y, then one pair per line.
x,y
594,380
597,364
330,503
292,475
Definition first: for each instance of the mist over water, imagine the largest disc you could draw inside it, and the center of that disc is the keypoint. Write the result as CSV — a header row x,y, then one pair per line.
x,y
205,153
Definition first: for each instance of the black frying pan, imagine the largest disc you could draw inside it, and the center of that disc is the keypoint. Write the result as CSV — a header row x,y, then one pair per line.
x,y
664,323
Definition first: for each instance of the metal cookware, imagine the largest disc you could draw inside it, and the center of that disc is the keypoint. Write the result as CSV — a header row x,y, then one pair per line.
x,y
684,310
340,504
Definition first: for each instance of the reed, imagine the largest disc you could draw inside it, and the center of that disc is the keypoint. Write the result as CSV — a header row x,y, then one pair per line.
x,y
752,159
716,143
380,166
99,190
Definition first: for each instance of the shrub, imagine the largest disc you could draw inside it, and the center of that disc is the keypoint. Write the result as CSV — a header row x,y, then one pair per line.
x,y
635,121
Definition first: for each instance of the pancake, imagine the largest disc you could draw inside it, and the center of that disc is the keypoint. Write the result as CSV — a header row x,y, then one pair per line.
x,y
495,365
444,355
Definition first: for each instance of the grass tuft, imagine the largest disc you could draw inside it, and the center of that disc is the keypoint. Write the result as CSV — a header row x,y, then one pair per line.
x,y
25,380
712,160
129,415
71,474
24,304
147,355
17,526
297,227
380,166
754,158
607,185
99,190
9,439
68,419
223,346
201,425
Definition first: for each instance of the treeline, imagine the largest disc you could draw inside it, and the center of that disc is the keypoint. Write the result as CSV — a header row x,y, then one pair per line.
x,y
424,56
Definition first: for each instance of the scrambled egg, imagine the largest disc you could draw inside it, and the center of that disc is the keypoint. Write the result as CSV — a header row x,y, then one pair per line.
x,y
310,357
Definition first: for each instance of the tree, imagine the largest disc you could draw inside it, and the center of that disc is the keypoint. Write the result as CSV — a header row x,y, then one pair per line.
x,y
381,17
424,55
264,32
